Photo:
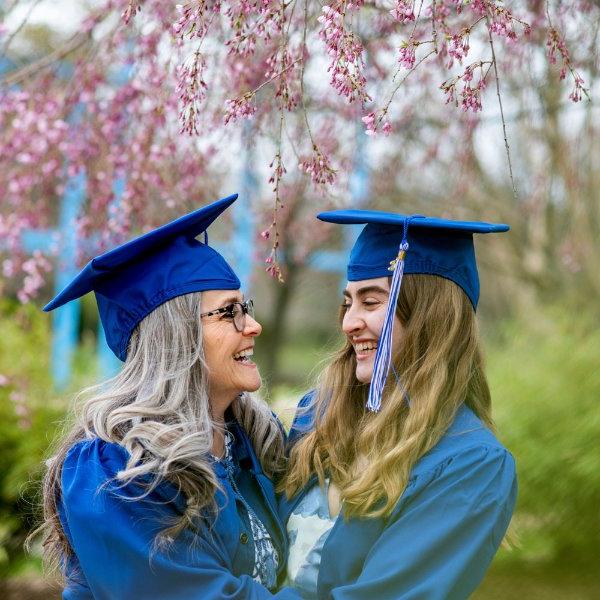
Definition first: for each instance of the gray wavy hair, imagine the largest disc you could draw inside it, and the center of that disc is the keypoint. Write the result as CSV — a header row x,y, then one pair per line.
x,y
158,409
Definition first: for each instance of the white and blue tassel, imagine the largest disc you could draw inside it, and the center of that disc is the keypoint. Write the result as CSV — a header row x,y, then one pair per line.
x,y
383,355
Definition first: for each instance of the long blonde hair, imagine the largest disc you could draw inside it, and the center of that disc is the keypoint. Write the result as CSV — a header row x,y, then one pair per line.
x,y
439,366
157,408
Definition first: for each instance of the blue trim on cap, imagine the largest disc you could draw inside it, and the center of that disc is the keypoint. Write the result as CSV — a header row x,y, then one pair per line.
x,y
358,217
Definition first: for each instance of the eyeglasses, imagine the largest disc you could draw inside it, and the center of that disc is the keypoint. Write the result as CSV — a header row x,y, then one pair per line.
x,y
236,311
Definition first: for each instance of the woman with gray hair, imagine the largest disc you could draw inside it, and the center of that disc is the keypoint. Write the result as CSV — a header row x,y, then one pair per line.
x,y
163,487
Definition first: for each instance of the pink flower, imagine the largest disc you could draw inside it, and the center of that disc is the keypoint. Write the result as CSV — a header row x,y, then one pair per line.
x,y
345,50
191,89
274,270
370,122
369,119
34,268
133,7
403,12
471,99
407,53
239,108
318,168
459,47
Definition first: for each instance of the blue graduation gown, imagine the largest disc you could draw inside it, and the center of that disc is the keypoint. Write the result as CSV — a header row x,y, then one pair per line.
x,y
443,532
112,537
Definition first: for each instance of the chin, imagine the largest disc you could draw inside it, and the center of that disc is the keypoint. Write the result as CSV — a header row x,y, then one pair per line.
x,y
253,386
363,376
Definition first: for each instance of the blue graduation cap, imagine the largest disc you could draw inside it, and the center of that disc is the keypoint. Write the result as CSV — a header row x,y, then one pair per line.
x,y
133,279
392,244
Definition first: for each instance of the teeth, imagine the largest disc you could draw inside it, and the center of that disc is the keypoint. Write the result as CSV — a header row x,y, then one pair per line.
x,y
244,353
364,346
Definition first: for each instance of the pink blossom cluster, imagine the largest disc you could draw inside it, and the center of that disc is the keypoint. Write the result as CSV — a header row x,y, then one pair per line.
x,y
253,22
32,151
318,167
479,7
278,171
502,22
284,69
458,45
191,89
556,47
273,267
194,19
345,50
578,90
372,123
212,63
407,53
404,11
34,268
243,107
469,94
133,7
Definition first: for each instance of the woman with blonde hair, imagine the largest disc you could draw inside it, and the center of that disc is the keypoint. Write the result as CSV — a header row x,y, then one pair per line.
x,y
163,487
397,486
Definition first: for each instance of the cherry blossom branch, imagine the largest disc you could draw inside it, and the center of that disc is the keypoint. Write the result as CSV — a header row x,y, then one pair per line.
x,y
497,78
317,166
272,262
555,44
434,25
372,120
191,87
12,36
133,7
76,42
273,266
241,106
132,125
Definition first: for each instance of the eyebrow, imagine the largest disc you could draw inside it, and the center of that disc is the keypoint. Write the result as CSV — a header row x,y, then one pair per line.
x,y
230,300
369,289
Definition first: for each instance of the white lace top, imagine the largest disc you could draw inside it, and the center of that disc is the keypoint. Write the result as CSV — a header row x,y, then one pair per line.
x,y
308,528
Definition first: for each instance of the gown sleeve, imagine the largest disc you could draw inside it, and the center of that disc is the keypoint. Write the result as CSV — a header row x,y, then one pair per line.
x,y
112,538
443,535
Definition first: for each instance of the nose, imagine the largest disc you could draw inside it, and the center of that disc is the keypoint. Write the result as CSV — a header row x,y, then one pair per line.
x,y
352,321
252,328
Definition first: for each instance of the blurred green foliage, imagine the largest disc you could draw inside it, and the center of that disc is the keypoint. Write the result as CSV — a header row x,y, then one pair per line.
x,y
545,379
27,421
31,415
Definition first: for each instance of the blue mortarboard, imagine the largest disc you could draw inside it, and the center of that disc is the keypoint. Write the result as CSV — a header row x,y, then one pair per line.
x,y
131,280
409,244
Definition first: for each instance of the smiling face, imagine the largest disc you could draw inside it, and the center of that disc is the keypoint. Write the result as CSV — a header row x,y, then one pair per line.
x,y
227,351
365,304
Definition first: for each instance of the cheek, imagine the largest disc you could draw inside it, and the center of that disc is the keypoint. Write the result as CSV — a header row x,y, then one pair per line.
x,y
398,335
375,322
215,347
208,347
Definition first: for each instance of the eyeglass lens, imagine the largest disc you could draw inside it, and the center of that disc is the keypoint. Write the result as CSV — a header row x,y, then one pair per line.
x,y
239,313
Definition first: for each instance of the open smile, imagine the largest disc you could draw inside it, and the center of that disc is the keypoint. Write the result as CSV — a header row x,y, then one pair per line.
x,y
365,349
243,357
